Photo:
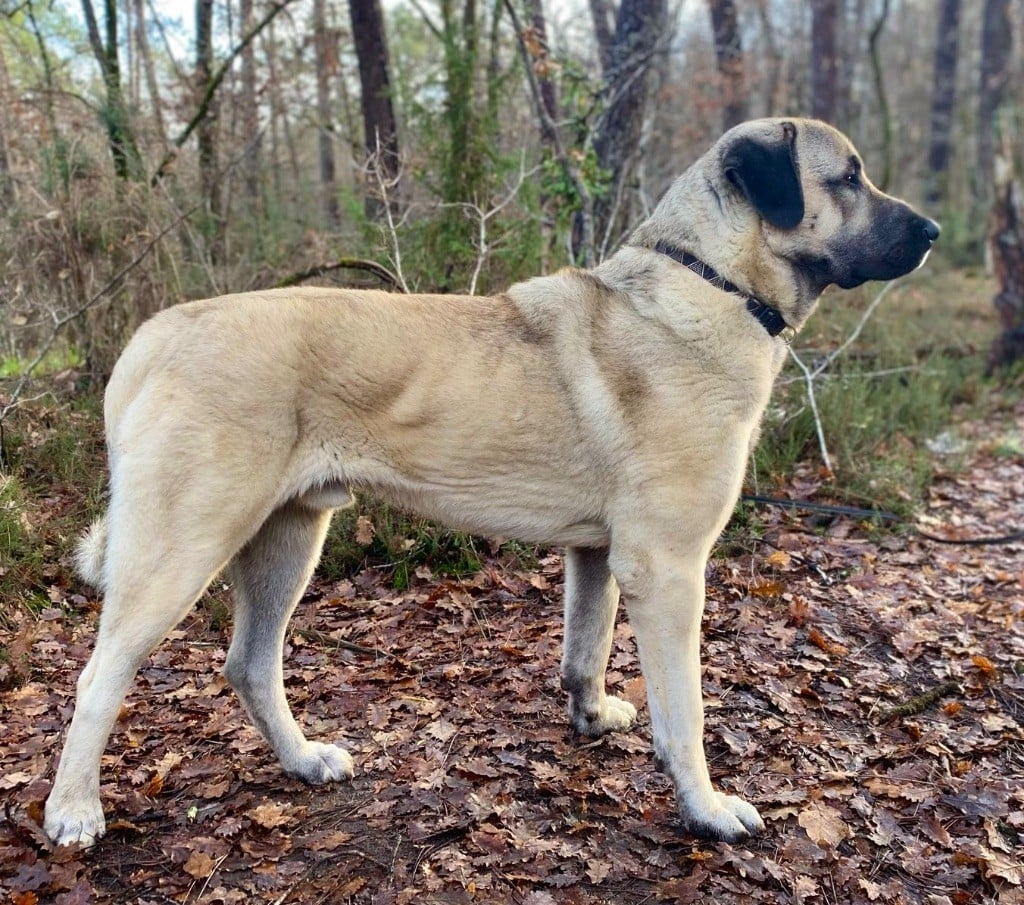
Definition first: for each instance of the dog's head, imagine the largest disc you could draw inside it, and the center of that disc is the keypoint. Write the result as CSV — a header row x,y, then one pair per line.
x,y
817,209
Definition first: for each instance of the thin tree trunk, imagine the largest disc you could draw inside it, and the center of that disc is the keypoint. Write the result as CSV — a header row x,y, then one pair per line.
x,y
380,128
772,100
250,115
874,46
824,60
943,100
326,70
206,128
638,33
7,194
603,34
121,138
996,47
852,43
1007,245
729,54
148,71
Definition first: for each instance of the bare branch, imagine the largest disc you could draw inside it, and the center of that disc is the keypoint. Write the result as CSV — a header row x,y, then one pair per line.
x,y
552,135
213,85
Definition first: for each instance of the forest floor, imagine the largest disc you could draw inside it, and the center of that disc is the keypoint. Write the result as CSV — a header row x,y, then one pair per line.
x,y
470,787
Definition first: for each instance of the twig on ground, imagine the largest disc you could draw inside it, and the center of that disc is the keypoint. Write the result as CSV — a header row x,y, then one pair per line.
x,y
920,703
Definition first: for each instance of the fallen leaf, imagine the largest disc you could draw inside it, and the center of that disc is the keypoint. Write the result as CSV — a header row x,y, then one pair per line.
x,y
199,865
823,824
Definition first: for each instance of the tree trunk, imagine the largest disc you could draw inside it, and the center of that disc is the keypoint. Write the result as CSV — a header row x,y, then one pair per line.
x,y
996,45
602,20
148,70
7,195
874,47
729,54
206,128
325,43
120,136
824,60
639,31
1007,245
771,94
250,115
542,61
943,100
380,128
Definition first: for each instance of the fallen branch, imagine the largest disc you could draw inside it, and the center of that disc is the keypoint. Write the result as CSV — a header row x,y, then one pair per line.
x,y
920,703
378,270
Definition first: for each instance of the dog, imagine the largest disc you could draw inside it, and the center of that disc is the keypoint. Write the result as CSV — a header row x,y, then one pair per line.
x,y
610,411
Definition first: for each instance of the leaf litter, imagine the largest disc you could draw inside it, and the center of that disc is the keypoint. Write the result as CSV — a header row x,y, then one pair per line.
x,y
823,650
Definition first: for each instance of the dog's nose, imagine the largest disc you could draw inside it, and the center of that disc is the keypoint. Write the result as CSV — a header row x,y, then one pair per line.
x,y
931,230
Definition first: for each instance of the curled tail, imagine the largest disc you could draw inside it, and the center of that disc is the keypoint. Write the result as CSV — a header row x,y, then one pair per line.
x,y
91,553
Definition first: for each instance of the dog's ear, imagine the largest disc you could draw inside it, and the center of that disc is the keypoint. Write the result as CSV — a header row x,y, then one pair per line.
x,y
766,173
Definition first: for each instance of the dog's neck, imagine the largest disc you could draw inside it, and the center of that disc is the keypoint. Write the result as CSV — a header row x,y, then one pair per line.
x,y
768,317
727,236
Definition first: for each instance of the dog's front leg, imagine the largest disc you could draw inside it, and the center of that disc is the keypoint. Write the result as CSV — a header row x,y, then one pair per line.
x,y
664,596
591,599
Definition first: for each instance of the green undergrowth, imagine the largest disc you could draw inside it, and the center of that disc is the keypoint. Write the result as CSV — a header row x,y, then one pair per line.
x,y
51,485
913,373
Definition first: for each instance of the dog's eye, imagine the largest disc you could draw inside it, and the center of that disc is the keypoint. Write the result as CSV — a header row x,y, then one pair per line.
x,y
853,179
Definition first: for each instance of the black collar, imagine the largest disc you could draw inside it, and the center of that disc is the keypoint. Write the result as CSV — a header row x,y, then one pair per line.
x,y
768,317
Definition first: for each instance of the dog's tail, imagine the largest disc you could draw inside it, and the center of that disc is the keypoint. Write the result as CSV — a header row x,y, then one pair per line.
x,y
91,554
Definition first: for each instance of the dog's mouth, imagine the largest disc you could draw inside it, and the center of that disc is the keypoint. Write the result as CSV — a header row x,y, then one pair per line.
x,y
906,254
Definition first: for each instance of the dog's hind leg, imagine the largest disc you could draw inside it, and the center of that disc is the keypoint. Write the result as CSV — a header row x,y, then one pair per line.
x,y
270,573
591,599
148,593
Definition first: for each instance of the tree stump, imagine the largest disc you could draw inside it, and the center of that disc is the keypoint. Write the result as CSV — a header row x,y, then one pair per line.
x,y
1007,244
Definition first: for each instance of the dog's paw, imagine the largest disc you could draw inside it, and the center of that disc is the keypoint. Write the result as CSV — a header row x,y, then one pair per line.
x,y
74,824
613,715
317,763
725,818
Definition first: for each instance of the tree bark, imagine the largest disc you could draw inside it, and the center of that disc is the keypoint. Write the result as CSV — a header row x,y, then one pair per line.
x,y
7,195
120,136
640,29
380,128
149,71
943,100
1007,245
729,54
250,115
772,100
874,47
996,45
325,43
602,19
206,128
824,60
542,62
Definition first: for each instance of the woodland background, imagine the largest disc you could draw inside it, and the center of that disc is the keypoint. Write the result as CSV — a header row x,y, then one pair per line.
x,y
864,683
